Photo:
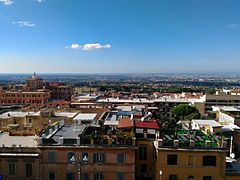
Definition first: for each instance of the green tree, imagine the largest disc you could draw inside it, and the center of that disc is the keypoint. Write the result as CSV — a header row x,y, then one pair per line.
x,y
185,112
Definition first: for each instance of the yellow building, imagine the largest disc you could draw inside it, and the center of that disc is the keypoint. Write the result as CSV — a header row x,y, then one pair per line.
x,y
193,163
190,155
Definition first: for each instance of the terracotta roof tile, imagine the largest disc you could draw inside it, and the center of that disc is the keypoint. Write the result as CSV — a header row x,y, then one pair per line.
x,y
125,123
147,124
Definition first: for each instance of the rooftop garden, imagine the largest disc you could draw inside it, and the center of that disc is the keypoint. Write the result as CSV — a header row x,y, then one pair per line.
x,y
105,136
184,136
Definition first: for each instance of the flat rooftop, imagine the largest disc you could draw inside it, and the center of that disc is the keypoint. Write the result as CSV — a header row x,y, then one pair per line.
x,y
66,114
68,131
117,100
173,100
24,141
10,114
204,122
230,108
86,116
184,136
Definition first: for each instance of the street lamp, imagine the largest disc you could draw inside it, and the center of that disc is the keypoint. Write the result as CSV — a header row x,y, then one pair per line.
x,y
77,161
160,173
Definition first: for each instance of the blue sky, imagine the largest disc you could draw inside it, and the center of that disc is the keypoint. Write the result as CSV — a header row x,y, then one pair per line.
x,y
119,36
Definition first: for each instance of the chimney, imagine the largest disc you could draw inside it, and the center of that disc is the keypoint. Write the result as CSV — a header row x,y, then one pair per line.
x,y
160,142
43,135
78,141
131,117
134,141
50,131
61,139
176,142
145,135
40,140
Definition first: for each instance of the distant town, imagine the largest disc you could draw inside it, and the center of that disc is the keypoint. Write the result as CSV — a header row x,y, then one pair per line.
x,y
119,126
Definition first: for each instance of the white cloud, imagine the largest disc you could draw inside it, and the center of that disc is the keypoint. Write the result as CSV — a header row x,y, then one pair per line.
x,y
88,47
24,24
7,2
40,1
233,26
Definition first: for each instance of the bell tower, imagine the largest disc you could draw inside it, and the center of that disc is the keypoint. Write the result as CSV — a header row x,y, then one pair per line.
x,y
34,83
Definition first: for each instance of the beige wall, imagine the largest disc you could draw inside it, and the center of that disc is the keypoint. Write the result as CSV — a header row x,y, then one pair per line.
x,y
183,169
150,161
200,107
232,176
20,163
109,169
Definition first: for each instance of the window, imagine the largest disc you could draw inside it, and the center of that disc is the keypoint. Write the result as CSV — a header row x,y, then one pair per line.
x,y
120,176
51,176
28,169
207,177
143,153
85,176
12,168
143,168
209,160
98,157
70,176
120,158
173,177
98,176
70,155
190,177
172,159
85,158
191,160
51,157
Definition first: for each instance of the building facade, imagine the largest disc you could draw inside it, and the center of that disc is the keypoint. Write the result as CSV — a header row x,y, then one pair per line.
x,y
113,163
190,164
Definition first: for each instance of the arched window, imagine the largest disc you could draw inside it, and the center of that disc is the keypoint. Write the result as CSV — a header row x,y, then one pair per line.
x,y
70,155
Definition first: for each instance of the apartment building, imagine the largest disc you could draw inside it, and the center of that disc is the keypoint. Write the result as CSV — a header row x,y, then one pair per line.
x,y
221,100
36,93
175,163
33,94
96,156
165,104
190,155
59,91
19,158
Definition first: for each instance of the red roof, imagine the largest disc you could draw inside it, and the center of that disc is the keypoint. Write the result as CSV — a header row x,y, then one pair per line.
x,y
125,123
147,124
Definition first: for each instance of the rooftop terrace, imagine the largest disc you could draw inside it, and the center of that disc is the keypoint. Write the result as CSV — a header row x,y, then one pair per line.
x,y
185,138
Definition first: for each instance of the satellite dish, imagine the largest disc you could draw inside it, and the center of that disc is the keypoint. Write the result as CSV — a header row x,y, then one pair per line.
x,y
232,155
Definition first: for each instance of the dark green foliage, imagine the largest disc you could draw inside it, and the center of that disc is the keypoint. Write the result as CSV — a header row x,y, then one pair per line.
x,y
185,112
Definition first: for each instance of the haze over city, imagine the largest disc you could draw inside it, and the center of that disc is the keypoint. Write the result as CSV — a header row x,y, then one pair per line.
x,y
119,89
137,36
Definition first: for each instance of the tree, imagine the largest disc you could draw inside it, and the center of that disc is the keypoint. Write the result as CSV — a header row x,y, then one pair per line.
x,y
185,112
